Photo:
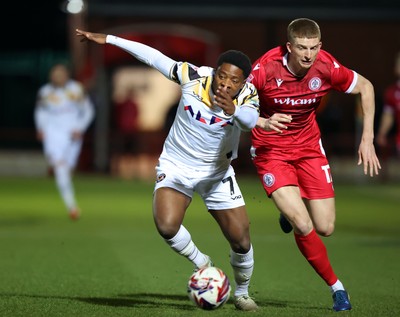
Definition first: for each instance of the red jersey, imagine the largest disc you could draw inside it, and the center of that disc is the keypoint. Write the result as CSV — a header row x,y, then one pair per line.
x,y
392,104
282,92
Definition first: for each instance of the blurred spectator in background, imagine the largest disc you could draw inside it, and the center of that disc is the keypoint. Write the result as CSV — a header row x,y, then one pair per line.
x,y
391,113
126,120
63,113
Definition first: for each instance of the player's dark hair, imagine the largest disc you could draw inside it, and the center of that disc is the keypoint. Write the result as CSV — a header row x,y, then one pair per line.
x,y
237,58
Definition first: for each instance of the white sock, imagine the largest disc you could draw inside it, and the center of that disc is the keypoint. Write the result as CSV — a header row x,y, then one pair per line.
x,y
338,286
242,265
64,184
183,244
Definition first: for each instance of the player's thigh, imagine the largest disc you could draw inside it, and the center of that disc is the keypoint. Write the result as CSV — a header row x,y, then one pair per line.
x,y
225,202
289,202
170,203
172,194
323,214
234,224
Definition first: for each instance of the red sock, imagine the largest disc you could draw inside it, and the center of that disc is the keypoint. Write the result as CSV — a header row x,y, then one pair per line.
x,y
314,250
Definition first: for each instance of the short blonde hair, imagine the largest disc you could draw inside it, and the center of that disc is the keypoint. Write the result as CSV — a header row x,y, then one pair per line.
x,y
303,28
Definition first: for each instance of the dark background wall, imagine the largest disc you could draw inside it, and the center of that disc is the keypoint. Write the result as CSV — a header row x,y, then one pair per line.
x,y
363,35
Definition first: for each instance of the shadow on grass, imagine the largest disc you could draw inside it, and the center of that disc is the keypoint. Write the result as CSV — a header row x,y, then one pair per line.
x,y
155,300
131,300
142,299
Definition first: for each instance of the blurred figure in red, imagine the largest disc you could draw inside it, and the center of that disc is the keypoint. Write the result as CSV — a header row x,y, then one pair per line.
x,y
391,111
126,120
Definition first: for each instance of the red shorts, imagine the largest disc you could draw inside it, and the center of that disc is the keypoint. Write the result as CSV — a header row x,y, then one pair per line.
x,y
310,172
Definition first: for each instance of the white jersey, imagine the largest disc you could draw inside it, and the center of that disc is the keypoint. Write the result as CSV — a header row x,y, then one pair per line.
x,y
202,137
63,109
59,112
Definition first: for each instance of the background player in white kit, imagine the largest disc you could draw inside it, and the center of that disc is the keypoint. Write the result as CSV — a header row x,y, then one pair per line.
x,y
203,140
63,113
287,151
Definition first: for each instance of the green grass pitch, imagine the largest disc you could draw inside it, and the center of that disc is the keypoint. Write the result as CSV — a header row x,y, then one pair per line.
x,y
112,262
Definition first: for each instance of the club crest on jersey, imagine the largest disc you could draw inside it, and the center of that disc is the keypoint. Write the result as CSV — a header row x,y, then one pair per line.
x,y
314,83
269,179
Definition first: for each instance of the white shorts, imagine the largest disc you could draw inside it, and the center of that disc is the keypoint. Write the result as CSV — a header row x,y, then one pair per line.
x,y
60,147
218,191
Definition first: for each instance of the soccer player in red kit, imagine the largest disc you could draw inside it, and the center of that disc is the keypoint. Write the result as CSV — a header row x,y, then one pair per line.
x,y
391,110
286,143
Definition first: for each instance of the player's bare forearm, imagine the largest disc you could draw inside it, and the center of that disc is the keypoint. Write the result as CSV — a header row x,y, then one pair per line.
x,y
366,90
99,38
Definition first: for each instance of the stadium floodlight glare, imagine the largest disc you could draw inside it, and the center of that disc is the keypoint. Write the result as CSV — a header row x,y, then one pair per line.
x,y
75,6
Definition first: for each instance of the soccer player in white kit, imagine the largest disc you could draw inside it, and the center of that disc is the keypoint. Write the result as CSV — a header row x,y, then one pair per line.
x,y
63,112
216,104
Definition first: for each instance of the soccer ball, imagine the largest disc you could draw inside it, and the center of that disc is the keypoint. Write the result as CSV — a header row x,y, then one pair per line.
x,y
209,288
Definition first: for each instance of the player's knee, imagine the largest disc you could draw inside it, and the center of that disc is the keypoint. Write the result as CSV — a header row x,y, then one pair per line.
x,y
302,226
326,230
167,230
241,245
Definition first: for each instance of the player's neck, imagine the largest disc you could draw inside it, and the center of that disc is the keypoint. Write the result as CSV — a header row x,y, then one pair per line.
x,y
299,73
294,69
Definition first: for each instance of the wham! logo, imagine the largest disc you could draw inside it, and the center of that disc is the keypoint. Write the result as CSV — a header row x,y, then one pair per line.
x,y
294,102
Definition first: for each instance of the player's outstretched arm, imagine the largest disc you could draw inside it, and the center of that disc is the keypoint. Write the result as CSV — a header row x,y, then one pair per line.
x,y
89,36
142,52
